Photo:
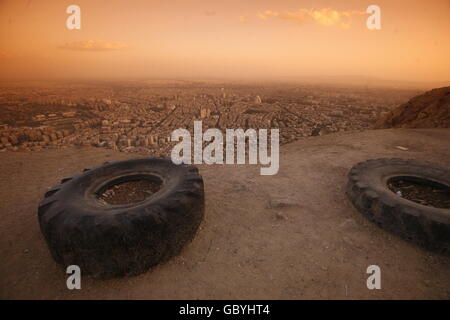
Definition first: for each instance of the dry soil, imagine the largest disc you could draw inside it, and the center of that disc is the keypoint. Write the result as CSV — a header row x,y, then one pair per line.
x,y
244,249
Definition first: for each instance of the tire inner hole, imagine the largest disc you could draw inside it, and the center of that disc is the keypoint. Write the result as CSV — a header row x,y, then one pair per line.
x,y
129,189
422,191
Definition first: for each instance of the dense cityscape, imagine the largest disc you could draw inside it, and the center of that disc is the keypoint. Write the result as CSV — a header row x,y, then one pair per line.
x,y
140,116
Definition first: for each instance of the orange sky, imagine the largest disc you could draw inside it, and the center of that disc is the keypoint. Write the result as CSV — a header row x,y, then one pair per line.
x,y
260,39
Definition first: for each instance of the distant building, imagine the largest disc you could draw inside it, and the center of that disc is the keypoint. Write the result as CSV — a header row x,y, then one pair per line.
x,y
205,113
69,114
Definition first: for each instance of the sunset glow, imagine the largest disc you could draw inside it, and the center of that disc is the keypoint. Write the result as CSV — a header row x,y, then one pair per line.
x,y
229,39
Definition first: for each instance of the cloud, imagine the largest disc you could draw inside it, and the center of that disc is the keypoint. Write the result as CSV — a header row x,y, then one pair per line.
x,y
243,19
325,17
94,45
262,16
210,13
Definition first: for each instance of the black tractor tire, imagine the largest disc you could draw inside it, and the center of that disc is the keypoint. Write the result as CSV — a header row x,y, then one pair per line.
x,y
367,189
108,241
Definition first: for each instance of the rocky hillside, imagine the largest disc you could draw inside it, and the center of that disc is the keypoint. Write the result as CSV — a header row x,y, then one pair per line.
x,y
429,110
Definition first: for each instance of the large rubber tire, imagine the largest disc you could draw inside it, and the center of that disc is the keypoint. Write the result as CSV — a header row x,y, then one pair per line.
x,y
368,191
119,240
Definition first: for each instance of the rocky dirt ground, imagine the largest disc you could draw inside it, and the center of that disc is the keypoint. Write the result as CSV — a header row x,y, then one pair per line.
x,y
245,249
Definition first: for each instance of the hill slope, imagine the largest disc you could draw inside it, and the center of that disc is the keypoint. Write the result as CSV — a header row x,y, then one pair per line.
x,y
429,110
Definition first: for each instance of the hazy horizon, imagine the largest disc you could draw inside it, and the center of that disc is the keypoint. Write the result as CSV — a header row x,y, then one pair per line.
x,y
266,40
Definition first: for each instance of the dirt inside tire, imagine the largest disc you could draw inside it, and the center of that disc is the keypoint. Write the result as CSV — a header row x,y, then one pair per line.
x,y
128,192
421,191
